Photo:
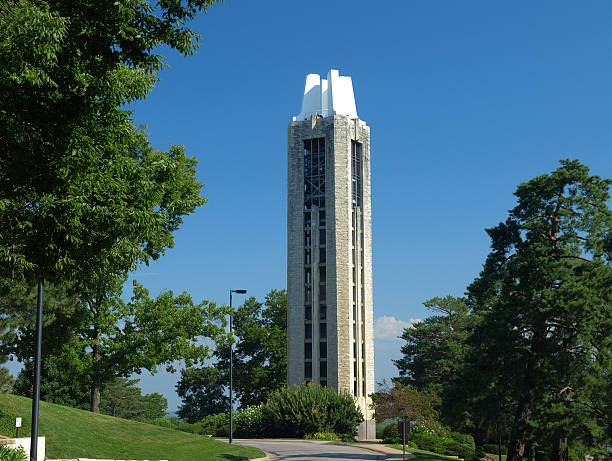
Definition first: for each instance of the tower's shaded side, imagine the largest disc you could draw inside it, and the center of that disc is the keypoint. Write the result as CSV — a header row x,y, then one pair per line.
x,y
329,257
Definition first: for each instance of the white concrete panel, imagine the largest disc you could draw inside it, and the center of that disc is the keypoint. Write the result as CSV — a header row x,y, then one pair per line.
x,y
327,97
25,443
311,100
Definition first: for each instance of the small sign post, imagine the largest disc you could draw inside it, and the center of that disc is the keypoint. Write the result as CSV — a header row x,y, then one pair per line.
x,y
17,425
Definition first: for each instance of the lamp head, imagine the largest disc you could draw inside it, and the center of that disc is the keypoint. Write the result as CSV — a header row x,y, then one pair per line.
x,y
240,292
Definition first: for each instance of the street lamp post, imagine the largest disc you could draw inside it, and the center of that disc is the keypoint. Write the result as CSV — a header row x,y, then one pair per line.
x,y
231,400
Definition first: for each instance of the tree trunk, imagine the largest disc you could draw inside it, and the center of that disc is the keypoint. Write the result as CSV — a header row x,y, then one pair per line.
x,y
526,404
531,452
96,382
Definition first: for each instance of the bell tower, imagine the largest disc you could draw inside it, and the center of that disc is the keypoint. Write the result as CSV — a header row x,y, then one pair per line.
x,y
329,257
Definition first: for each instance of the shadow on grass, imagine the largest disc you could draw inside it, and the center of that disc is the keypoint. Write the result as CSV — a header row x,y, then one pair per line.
x,y
233,457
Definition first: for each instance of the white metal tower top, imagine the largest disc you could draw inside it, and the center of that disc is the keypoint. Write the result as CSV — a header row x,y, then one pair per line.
x,y
333,96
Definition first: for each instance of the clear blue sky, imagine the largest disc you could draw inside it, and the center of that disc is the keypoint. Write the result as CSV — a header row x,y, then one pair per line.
x,y
465,100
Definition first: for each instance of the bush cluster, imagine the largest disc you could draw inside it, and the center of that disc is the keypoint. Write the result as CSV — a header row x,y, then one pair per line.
x,y
251,422
217,425
307,409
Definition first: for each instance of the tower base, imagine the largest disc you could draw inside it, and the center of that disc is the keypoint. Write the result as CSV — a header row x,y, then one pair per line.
x,y
366,430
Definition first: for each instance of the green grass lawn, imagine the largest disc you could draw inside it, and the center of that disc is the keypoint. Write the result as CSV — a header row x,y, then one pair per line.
x,y
72,433
422,455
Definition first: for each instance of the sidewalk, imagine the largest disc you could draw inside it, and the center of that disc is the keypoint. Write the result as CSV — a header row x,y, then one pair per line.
x,y
389,454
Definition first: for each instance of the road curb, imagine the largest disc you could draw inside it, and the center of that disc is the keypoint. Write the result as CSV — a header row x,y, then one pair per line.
x,y
268,457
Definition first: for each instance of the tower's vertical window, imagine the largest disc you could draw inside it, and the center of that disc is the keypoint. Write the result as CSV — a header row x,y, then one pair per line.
x,y
308,370
307,350
356,152
314,173
307,238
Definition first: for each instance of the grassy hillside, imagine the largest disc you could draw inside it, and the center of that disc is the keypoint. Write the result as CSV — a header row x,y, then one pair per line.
x,y
72,433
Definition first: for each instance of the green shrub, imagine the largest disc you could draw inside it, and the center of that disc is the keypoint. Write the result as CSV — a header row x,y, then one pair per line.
x,y
390,434
250,422
463,449
217,425
163,422
7,424
493,448
480,452
12,454
429,442
194,428
310,408
329,436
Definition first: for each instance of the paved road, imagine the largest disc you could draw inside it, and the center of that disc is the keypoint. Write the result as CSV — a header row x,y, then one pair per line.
x,y
305,451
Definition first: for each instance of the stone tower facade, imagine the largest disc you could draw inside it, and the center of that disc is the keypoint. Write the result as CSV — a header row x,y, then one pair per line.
x,y
329,262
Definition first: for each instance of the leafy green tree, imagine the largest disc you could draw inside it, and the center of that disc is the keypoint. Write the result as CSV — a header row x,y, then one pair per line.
x,y
63,313
83,196
64,378
202,391
407,403
545,299
435,348
260,351
66,176
146,333
121,398
167,180
434,358
114,339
